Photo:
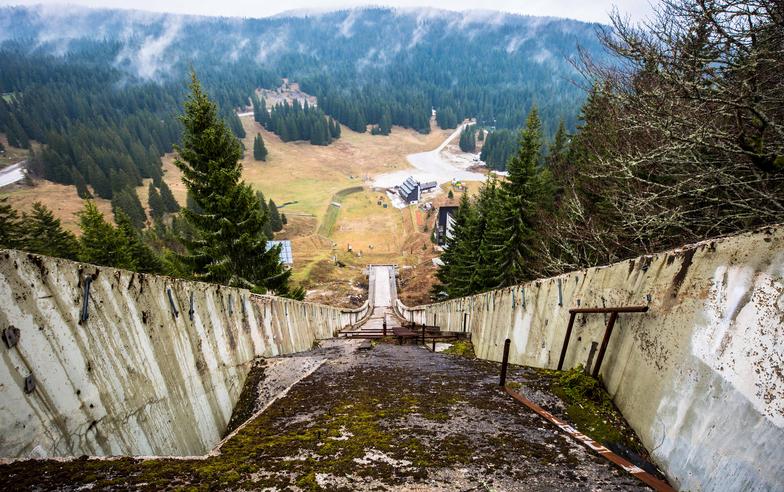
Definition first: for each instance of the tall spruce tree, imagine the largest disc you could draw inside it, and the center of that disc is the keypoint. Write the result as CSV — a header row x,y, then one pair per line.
x,y
169,203
127,200
44,234
459,257
230,246
488,237
274,217
259,149
264,209
513,228
142,257
9,225
101,243
157,208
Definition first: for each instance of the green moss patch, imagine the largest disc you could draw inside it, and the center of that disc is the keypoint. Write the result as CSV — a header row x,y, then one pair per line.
x,y
590,409
461,348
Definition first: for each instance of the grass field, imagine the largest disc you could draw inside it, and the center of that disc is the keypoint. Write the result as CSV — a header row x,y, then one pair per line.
x,y
333,210
61,199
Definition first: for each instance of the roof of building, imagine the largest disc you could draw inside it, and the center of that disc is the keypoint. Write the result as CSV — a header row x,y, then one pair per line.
x,y
408,185
443,212
285,251
428,186
409,190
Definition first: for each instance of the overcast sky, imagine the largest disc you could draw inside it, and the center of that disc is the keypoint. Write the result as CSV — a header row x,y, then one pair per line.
x,y
587,10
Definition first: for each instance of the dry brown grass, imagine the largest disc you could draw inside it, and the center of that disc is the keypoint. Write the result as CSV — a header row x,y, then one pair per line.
x,y
61,199
311,175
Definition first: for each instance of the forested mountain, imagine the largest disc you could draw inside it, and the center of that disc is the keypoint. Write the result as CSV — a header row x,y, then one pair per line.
x,y
101,87
402,62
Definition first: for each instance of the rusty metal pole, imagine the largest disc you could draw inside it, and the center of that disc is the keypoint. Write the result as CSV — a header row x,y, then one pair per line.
x,y
566,340
505,362
605,342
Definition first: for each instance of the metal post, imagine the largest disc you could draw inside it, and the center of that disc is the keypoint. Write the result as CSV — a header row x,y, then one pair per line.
x,y
423,334
171,302
434,345
505,362
605,341
84,314
385,325
591,353
566,340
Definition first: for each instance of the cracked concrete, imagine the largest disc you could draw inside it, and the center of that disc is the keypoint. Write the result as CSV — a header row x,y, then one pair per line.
x,y
392,418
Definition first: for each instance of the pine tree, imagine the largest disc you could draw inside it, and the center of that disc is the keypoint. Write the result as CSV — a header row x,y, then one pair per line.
x,y
9,225
81,185
457,258
230,246
142,257
259,149
44,234
274,217
468,139
127,200
100,242
16,134
264,209
520,195
157,208
556,154
169,203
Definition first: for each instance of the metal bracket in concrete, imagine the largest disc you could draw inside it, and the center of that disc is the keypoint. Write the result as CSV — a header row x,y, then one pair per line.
x,y
11,336
613,311
171,302
29,384
84,313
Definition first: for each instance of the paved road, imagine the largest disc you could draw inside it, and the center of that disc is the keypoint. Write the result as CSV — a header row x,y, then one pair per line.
x,y
430,166
12,174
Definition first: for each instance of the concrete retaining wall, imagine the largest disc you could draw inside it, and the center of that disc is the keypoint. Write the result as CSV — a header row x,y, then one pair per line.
x,y
700,376
136,377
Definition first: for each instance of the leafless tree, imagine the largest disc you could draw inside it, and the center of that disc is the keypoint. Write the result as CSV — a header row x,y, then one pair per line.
x,y
683,136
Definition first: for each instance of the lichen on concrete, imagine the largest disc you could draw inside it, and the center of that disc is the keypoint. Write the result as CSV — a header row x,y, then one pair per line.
x,y
385,419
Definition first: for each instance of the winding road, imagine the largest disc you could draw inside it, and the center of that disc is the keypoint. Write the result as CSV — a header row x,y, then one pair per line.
x,y
12,173
430,166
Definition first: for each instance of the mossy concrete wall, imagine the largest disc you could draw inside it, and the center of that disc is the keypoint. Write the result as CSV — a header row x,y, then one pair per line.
x,y
144,374
700,376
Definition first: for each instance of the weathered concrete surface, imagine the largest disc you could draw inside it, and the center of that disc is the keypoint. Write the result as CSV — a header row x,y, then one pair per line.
x,y
382,294
700,376
392,418
134,378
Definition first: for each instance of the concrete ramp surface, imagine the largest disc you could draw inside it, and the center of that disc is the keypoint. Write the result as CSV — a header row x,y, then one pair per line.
x,y
382,294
